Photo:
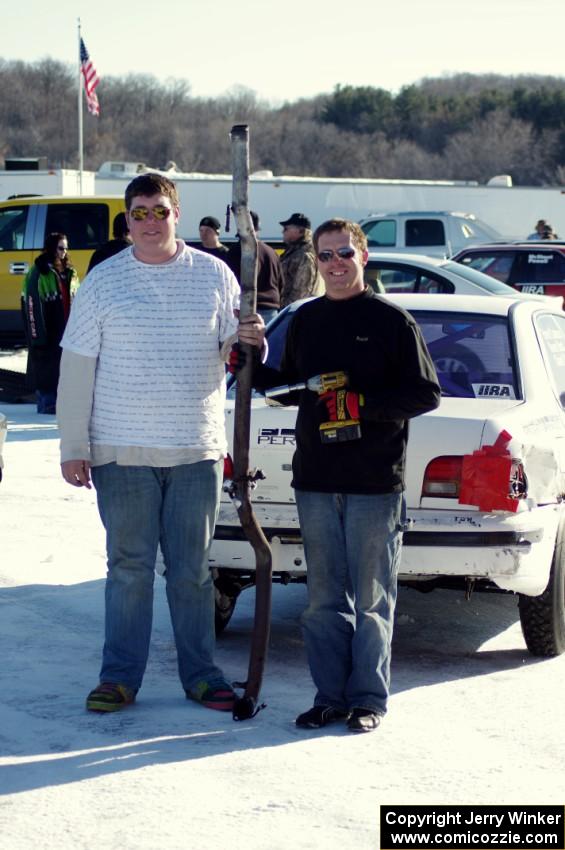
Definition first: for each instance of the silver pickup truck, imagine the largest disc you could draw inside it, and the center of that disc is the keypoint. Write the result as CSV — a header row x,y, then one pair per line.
x,y
436,234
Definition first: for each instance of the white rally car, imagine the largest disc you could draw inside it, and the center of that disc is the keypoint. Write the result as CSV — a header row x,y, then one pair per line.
x,y
485,477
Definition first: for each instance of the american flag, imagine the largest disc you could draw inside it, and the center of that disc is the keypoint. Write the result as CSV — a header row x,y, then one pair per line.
x,y
91,80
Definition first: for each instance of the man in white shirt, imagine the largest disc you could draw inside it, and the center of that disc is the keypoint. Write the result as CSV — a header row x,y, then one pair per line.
x,y
141,412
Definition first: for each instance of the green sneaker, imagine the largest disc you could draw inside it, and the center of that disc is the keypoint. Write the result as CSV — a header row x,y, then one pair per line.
x,y
217,694
109,696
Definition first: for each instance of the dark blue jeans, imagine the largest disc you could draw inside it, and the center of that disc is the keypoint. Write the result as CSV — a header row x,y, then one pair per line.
x,y
46,402
142,507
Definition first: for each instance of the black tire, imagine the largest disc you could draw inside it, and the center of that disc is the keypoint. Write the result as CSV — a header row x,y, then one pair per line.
x,y
543,617
224,607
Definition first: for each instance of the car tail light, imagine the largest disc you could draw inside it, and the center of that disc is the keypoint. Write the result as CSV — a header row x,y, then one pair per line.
x,y
442,478
489,480
228,468
518,481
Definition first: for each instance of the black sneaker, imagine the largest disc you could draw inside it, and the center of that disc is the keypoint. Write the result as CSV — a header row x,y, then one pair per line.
x,y
363,720
320,715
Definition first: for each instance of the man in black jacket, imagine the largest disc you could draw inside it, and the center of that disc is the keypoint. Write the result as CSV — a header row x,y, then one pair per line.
x,y
209,230
120,240
349,492
269,273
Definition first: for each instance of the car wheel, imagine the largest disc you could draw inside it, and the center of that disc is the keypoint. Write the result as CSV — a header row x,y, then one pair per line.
x,y
224,599
543,617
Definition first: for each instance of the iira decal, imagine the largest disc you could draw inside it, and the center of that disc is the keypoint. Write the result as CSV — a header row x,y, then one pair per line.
x,y
493,390
533,289
276,437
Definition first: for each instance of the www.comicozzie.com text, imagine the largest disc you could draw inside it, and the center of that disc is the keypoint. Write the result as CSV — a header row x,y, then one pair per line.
x,y
472,827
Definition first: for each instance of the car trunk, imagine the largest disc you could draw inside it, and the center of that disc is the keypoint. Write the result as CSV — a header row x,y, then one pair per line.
x,y
455,428
272,446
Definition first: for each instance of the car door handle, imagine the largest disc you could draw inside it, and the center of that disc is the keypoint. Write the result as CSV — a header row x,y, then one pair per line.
x,y
19,268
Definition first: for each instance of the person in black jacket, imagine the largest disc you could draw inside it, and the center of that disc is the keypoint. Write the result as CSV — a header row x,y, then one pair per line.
x,y
120,241
48,290
269,273
349,493
209,230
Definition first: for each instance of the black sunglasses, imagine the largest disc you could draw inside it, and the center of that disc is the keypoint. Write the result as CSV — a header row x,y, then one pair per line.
x,y
345,253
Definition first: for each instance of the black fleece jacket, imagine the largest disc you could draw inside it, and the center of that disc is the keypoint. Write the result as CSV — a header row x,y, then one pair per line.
x,y
381,348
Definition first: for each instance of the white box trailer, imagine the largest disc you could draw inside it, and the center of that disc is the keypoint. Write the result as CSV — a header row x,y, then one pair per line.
x,y
511,210
52,181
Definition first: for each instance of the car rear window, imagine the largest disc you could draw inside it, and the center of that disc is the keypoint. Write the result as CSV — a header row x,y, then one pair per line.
x,y
472,354
540,267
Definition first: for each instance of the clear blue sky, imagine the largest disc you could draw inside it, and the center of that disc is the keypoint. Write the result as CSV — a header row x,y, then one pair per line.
x,y
284,51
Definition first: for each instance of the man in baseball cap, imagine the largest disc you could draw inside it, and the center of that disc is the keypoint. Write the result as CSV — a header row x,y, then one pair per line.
x,y
298,261
297,220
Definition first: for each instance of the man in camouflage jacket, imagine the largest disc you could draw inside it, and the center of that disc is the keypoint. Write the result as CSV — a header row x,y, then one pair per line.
x,y
300,272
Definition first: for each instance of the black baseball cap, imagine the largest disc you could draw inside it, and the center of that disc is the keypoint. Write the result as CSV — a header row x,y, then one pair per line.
x,y
210,221
298,220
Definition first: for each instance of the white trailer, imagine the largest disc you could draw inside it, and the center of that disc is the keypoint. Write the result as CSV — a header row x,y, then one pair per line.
x,y
53,181
511,210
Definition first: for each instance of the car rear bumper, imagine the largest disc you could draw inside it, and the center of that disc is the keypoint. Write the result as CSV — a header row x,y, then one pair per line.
x,y
514,551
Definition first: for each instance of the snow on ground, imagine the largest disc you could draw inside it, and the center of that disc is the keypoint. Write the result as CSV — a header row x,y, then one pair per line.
x,y
473,718
13,358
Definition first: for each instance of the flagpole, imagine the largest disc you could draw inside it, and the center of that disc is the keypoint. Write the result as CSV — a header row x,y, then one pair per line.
x,y
80,143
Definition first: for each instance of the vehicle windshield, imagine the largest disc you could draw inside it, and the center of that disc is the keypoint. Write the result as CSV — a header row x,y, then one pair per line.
x,y
472,352
495,287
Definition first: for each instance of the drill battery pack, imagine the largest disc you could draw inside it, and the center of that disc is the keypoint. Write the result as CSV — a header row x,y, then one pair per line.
x,y
340,432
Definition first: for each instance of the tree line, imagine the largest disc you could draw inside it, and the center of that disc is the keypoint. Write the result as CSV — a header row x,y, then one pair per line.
x,y
460,127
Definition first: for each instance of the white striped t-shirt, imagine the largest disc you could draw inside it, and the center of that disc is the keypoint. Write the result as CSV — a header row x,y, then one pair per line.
x,y
156,331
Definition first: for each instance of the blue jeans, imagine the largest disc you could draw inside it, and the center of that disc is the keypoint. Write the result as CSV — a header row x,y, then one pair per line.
x,y
268,313
352,548
46,402
142,507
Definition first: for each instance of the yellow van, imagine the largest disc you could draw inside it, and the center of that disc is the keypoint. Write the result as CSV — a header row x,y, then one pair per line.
x,y
24,223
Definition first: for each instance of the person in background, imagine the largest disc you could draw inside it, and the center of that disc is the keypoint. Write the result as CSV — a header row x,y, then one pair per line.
x,y
349,478
120,241
539,231
48,289
209,230
300,272
269,274
141,411
549,233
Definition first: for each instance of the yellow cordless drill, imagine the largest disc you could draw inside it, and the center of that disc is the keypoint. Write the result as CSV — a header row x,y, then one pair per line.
x,y
344,423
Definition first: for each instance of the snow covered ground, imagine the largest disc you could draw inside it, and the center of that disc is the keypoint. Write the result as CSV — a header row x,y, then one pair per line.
x,y
473,718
